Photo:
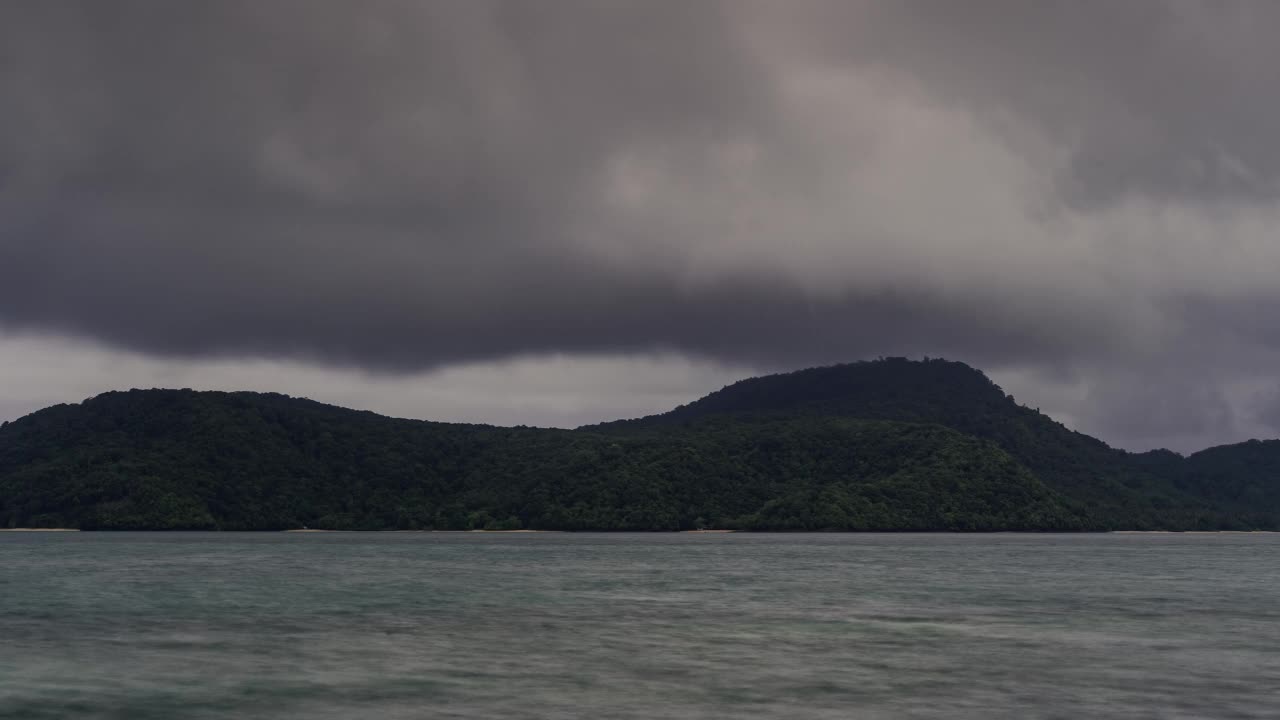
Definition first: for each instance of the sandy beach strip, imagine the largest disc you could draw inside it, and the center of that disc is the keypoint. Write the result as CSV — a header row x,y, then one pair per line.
x,y
1191,532
312,530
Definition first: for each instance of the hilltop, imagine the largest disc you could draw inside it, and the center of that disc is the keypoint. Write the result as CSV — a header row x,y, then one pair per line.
x,y
881,445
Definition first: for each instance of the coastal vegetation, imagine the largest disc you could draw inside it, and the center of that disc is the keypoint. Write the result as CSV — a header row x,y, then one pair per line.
x,y
887,445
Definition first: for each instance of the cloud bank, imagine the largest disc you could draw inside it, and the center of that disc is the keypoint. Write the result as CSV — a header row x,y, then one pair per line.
x,y
1079,197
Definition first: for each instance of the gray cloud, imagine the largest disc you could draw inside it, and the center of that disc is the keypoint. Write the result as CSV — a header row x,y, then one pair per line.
x,y
1079,197
1151,95
546,390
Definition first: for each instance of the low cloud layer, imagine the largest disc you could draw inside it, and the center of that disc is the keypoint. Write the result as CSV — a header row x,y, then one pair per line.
x,y
544,391
1079,197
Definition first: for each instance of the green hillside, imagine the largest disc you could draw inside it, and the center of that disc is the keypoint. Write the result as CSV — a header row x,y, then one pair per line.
x,y
1108,488
885,445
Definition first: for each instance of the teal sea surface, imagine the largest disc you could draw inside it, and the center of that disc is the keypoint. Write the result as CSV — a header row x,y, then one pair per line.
x,y
483,625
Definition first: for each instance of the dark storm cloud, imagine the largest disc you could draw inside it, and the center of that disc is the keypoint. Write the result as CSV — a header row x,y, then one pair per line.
x,y
1081,195
385,183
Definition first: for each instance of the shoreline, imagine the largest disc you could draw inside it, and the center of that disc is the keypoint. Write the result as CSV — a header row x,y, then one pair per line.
x,y
1192,532
316,530
699,532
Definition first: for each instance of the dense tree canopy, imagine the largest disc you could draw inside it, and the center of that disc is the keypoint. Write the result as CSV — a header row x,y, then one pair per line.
x,y
885,445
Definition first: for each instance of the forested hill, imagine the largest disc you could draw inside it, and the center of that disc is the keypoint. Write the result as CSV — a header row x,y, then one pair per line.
x,y
884,445
1111,487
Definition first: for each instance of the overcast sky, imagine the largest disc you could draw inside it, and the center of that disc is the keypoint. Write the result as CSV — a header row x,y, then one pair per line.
x,y
562,212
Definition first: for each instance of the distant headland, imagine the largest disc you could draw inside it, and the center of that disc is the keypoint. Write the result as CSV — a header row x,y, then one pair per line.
x,y
885,445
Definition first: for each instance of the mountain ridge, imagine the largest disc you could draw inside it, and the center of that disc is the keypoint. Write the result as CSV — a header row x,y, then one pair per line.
x,y
891,444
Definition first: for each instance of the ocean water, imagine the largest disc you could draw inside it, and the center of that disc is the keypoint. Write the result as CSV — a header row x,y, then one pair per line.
x,y
424,625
